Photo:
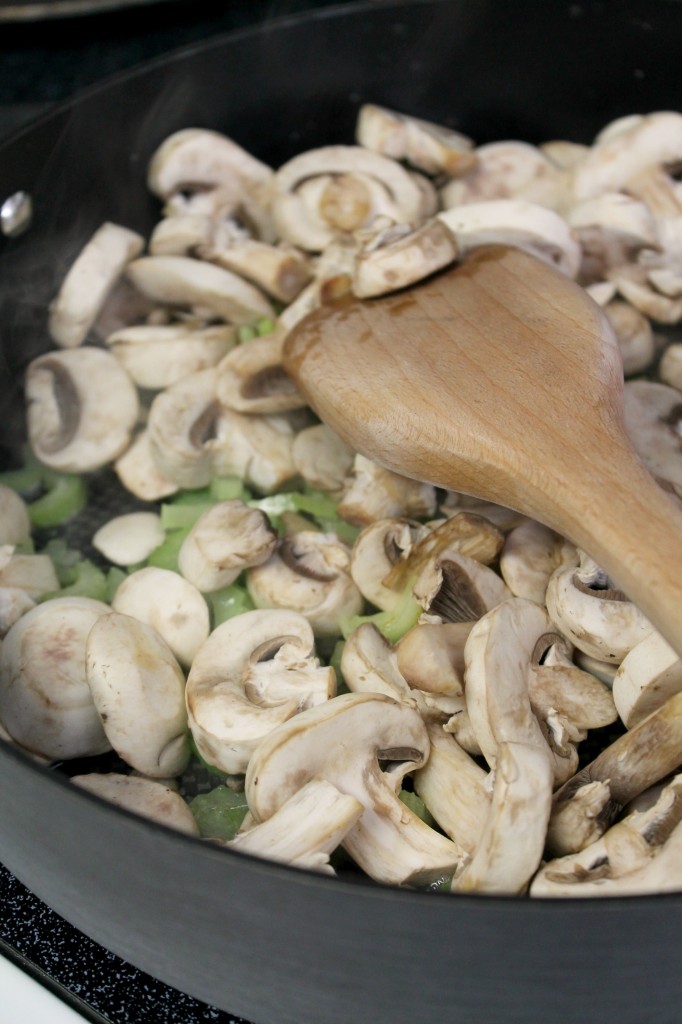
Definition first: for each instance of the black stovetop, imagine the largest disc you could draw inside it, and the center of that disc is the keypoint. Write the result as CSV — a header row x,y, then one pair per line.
x,y
42,63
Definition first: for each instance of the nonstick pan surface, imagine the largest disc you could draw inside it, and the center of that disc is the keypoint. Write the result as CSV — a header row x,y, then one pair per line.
x,y
274,944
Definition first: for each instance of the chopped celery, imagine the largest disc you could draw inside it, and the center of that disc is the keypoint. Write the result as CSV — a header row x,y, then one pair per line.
x,y
228,602
166,555
115,578
25,480
220,813
182,516
64,559
246,333
265,325
87,581
211,769
392,624
225,488
417,806
65,496
343,530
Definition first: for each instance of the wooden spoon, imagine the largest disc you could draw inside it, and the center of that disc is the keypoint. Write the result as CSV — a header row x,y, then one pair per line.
x,y
501,378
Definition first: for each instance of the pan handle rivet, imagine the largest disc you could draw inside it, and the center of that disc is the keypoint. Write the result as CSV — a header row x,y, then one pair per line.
x,y
16,214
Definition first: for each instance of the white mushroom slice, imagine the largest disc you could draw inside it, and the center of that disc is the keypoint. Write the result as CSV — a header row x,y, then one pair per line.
x,y
503,518
531,553
139,691
459,726
256,448
377,493
515,222
458,588
14,603
89,281
389,842
431,148
430,656
226,539
597,618
633,146
138,473
158,355
670,366
254,672
145,797
181,235
82,409
377,548
633,283
180,281
646,678
45,701
34,574
454,788
610,229
15,525
563,153
252,379
640,854
130,538
396,259
168,603
202,171
351,186
306,829
511,846
179,428
282,272
634,335
498,655
322,458
369,665
601,291
649,752
505,170
333,274
310,574
652,420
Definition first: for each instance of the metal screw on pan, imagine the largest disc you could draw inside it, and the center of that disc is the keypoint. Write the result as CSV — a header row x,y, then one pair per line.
x,y
16,214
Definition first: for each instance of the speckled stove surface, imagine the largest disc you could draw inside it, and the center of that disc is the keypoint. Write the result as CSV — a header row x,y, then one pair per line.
x,y
96,984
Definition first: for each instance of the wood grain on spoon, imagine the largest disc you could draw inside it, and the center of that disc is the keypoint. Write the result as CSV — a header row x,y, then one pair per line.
x,y
503,379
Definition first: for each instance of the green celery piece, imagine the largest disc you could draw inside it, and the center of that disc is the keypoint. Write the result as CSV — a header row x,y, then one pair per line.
x,y
335,662
88,581
65,496
220,813
211,769
417,806
28,478
114,579
343,530
228,602
392,624
64,559
227,488
166,555
265,325
192,497
246,333
182,516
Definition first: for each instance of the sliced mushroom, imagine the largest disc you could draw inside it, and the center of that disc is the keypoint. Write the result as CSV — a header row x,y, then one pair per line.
x,y
254,672
256,448
322,458
389,842
431,148
158,355
634,335
531,554
146,797
597,618
377,549
130,538
640,854
280,271
139,691
430,656
633,283
252,379
505,170
15,525
82,409
14,603
399,256
652,418
646,678
306,829
180,281
138,473
89,281
310,574
340,189
34,574
611,230
181,235
670,366
515,222
588,803
45,701
226,539
377,493
180,426
458,588
369,665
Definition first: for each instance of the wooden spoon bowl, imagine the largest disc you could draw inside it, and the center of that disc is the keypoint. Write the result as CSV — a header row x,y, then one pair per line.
x,y
503,379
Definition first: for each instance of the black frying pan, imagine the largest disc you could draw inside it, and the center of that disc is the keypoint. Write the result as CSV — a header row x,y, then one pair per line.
x,y
274,944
